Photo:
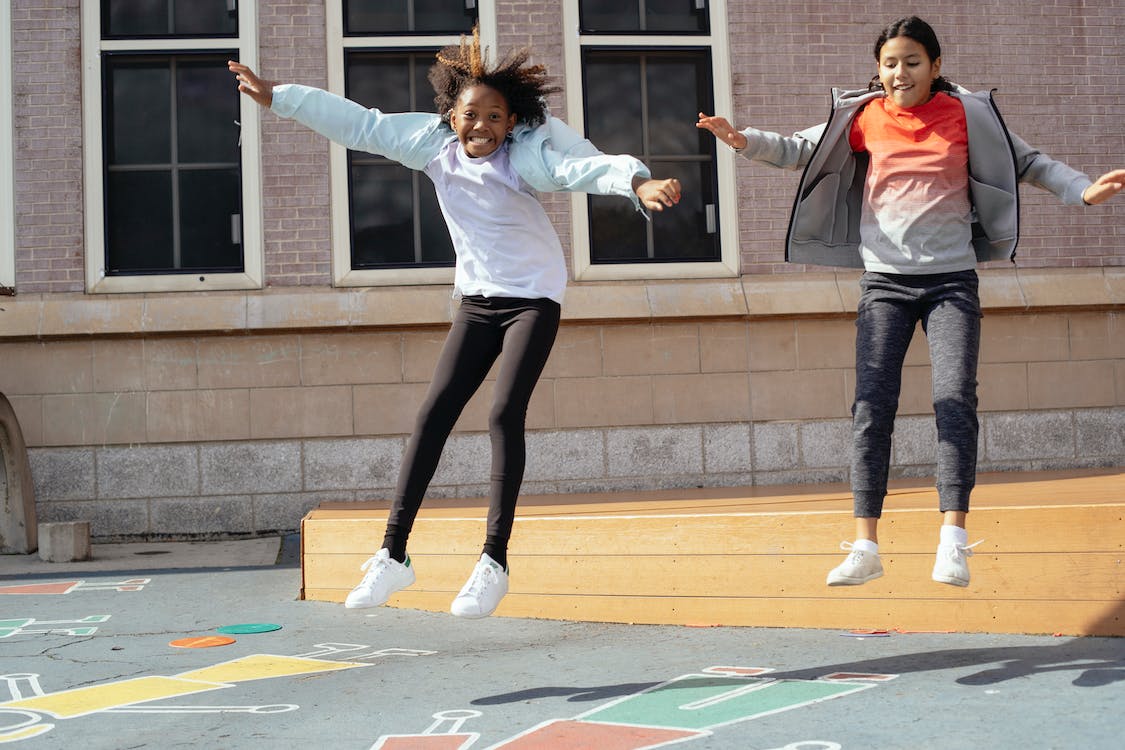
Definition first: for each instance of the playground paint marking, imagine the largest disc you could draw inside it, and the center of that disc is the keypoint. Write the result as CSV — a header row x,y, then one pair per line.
x,y
22,626
202,641
123,696
682,709
69,587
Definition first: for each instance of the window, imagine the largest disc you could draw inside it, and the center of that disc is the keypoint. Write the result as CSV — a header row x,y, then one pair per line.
x,y
390,229
172,181
646,68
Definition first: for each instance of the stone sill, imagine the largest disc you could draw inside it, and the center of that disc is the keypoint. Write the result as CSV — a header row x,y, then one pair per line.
x,y
802,295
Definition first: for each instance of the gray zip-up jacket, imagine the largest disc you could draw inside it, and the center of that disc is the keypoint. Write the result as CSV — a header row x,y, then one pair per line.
x,y
824,223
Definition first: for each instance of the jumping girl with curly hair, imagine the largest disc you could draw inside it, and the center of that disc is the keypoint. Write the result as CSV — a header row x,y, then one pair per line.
x,y
490,148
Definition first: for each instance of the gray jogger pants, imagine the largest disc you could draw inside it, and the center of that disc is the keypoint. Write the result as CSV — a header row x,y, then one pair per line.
x,y
890,306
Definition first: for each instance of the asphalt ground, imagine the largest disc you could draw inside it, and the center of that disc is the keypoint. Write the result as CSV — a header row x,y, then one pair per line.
x,y
86,662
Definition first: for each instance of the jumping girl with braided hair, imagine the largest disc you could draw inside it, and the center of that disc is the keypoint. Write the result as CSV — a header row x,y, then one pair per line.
x,y
487,152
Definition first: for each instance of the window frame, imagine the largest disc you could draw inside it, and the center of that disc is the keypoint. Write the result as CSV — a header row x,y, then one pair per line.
x,y
343,274
7,155
573,45
246,46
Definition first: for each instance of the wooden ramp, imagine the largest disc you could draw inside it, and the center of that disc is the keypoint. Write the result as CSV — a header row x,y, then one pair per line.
x,y
1051,560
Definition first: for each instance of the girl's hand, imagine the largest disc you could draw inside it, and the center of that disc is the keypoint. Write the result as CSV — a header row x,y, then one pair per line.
x,y
723,130
656,194
1105,187
256,88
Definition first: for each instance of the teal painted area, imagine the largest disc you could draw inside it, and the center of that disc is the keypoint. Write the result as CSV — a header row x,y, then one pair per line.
x,y
699,702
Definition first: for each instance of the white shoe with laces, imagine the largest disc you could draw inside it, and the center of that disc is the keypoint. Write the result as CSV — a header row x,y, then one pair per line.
x,y
384,576
952,563
859,567
482,593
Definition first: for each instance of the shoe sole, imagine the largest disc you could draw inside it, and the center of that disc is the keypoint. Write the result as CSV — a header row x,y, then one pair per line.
x,y
854,581
951,581
470,615
370,605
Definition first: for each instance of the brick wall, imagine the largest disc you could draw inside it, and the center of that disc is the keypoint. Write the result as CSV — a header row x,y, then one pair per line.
x,y
1051,63
47,113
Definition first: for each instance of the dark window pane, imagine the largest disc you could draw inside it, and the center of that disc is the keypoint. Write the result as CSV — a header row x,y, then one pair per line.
x,y
609,15
674,94
437,247
206,109
139,112
164,18
210,220
395,217
138,222
657,95
381,81
407,16
382,215
653,16
613,102
683,233
205,18
617,232
663,16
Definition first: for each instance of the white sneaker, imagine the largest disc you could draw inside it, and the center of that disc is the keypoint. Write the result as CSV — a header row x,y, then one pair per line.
x,y
384,576
482,593
859,567
952,563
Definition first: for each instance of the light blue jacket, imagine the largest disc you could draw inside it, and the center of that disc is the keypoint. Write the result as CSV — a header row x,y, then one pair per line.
x,y
550,157
824,223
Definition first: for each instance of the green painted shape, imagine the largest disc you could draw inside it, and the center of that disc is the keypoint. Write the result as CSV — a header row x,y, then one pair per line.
x,y
699,702
248,627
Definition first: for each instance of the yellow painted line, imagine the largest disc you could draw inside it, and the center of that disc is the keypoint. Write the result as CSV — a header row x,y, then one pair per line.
x,y
25,733
262,666
66,704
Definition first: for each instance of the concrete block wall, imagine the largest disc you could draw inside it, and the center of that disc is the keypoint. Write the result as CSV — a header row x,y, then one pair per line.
x,y
242,434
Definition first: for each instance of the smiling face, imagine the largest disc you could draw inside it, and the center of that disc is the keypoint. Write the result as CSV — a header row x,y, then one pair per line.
x,y
481,119
906,71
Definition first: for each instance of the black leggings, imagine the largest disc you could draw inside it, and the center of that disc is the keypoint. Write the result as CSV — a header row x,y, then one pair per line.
x,y
524,329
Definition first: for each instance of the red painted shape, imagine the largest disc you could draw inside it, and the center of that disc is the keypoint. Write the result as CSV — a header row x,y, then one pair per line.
x,y
741,671
568,734
62,587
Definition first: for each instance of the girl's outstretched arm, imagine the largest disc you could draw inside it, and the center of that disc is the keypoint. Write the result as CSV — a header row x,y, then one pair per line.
x,y
256,88
723,130
656,194
1105,187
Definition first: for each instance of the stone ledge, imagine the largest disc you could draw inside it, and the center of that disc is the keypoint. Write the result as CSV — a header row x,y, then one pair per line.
x,y
820,294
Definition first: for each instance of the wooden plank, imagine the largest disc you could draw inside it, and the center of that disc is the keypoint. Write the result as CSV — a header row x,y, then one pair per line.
x,y
1104,618
1034,529
1064,577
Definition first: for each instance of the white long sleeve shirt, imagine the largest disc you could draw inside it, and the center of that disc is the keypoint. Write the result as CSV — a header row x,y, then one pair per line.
x,y
505,243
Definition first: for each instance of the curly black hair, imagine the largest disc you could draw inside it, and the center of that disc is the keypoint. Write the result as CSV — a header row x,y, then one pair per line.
x,y
524,87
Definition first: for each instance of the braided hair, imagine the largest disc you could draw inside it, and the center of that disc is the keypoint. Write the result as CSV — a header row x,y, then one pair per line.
x,y
524,87
912,27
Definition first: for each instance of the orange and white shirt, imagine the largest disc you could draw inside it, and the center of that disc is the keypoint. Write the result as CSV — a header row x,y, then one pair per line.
x,y
917,214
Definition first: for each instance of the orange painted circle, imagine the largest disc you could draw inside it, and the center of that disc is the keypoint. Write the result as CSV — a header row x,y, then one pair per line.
x,y
204,641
